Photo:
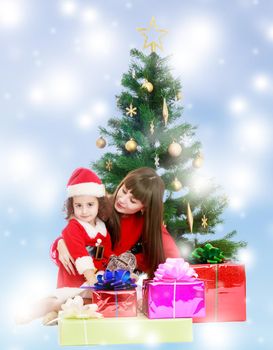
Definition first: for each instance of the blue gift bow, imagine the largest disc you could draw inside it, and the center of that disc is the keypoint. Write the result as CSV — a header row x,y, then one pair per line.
x,y
115,280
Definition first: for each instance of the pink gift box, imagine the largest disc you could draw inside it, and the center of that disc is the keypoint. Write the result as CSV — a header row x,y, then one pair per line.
x,y
173,299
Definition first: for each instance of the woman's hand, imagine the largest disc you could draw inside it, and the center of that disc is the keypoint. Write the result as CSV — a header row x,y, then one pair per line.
x,y
65,257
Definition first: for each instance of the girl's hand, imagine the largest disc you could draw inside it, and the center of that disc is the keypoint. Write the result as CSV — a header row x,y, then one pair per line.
x,y
90,277
65,257
92,280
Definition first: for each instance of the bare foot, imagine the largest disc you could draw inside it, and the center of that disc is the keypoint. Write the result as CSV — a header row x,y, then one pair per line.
x,y
50,319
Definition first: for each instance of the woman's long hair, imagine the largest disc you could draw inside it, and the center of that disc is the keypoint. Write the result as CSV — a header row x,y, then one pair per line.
x,y
146,186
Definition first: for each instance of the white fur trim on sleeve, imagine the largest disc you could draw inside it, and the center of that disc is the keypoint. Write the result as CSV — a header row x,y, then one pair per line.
x,y
84,263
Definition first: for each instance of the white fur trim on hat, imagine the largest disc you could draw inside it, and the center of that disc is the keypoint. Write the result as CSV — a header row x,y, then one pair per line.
x,y
86,189
84,263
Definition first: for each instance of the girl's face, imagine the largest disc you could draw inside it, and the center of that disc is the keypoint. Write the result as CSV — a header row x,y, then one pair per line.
x,y
86,208
125,202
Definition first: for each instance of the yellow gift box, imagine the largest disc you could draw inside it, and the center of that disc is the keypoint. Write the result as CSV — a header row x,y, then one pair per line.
x,y
124,330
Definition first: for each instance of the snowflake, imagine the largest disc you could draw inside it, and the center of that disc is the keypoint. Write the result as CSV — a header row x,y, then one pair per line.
x,y
131,110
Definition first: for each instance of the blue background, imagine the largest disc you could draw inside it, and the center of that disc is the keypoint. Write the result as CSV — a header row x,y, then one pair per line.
x,y
60,66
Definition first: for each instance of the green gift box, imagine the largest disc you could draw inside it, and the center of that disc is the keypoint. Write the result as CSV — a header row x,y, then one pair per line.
x,y
124,330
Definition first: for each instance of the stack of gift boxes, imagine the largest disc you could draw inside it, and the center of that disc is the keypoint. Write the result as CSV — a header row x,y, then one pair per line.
x,y
177,296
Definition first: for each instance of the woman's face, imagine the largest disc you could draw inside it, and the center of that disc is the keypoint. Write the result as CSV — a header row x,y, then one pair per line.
x,y
125,202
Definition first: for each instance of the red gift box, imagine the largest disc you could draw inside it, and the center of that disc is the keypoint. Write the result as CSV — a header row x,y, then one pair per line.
x,y
122,303
225,292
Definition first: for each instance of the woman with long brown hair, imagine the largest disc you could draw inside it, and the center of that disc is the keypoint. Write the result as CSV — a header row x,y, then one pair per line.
x,y
135,224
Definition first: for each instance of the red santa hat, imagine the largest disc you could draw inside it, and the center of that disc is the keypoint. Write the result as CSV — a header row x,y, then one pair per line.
x,y
84,182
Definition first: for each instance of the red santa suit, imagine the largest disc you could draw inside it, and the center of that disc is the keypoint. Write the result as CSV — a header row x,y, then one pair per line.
x,y
131,228
78,235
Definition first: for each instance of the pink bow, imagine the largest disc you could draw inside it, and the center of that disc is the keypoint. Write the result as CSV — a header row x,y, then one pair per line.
x,y
175,269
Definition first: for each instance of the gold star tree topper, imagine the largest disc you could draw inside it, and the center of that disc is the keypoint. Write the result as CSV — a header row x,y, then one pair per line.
x,y
151,31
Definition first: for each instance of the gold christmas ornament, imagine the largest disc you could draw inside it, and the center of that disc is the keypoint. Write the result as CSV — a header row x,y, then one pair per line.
x,y
198,161
152,29
109,165
131,145
178,96
147,85
176,185
204,221
131,110
189,217
165,111
174,149
100,143
152,127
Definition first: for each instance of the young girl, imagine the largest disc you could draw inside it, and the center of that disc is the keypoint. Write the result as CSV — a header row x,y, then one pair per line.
x,y
87,239
135,224
85,235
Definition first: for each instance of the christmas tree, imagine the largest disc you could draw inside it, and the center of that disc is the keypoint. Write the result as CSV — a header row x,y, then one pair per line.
x,y
151,132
